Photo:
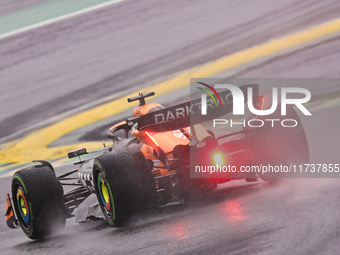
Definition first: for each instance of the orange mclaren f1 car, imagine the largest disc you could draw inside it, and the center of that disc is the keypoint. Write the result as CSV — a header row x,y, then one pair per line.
x,y
144,171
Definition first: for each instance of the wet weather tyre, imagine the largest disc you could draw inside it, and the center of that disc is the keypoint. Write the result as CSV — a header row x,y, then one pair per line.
x,y
124,186
38,201
279,145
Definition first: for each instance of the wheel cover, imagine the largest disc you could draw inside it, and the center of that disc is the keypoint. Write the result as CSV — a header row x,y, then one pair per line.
x,y
23,205
104,194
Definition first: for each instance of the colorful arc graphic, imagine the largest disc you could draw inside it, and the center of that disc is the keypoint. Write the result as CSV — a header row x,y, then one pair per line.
x,y
208,92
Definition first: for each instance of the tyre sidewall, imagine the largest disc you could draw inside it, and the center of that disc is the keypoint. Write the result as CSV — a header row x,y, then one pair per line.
x,y
44,196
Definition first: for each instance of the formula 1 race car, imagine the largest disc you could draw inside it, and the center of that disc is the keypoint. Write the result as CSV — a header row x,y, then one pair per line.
x,y
148,168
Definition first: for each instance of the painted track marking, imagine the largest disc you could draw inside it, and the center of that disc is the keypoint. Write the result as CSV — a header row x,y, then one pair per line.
x,y
35,145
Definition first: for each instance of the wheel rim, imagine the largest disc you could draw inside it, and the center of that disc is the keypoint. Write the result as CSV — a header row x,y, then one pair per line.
x,y
104,188
23,206
105,195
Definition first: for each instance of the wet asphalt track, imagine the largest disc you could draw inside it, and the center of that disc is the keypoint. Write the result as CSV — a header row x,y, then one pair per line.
x,y
296,217
53,69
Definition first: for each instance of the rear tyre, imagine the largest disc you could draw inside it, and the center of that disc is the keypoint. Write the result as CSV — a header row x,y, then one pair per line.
x,y
279,145
124,185
38,201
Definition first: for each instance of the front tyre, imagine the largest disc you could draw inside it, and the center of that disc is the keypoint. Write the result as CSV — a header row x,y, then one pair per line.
x,y
38,201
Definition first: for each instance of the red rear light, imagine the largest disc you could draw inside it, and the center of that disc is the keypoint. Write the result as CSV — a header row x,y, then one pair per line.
x,y
218,159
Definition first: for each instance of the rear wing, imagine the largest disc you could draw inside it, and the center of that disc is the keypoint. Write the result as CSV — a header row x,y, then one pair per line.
x,y
189,113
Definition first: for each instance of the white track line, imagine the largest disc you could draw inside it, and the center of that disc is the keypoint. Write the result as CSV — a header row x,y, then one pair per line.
x,y
50,21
